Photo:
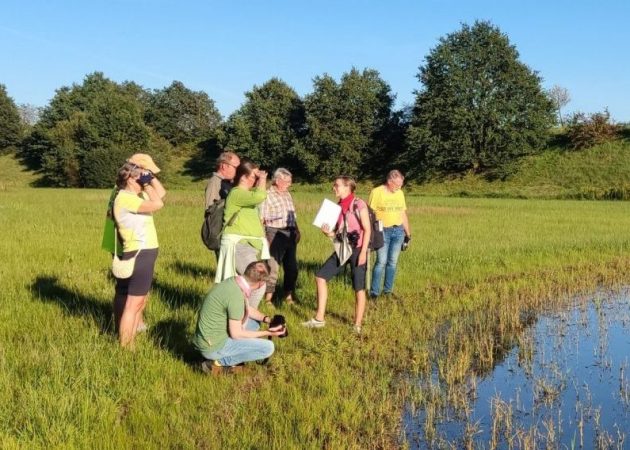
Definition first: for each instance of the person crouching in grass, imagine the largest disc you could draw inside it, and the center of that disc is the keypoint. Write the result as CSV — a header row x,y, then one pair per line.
x,y
227,333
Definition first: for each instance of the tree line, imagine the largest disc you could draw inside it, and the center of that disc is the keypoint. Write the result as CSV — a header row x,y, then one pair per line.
x,y
477,109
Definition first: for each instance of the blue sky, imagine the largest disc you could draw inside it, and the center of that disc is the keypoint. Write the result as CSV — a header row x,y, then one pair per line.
x,y
226,47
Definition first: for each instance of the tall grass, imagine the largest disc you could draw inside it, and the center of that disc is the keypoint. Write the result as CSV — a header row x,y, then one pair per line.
x,y
598,173
65,382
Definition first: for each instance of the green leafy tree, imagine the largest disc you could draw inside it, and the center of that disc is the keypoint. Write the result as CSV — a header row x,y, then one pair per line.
x,y
479,106
347,124
181,115
268,126
87,131
10,123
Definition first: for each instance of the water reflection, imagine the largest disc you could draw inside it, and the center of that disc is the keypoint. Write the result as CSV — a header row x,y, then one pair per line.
x,y
564,384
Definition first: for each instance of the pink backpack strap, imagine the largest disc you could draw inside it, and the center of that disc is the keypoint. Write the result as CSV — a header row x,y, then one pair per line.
x,y
355,207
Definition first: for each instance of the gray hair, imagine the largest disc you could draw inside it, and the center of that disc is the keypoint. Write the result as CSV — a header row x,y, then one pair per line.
x,y
395,175
281,172
225,157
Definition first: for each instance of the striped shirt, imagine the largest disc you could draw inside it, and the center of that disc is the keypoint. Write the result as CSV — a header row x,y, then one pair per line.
x,y
278,210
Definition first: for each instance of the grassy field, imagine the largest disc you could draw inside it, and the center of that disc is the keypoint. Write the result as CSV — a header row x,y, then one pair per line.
x,y
598,173
474,266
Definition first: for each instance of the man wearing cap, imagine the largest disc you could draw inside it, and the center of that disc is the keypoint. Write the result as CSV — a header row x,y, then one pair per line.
x,y
220,182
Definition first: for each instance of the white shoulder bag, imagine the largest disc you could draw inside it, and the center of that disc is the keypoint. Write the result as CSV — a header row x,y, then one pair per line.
x,y
123,269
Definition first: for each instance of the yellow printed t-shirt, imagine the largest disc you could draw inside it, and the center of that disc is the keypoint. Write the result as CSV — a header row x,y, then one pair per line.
x,y
388,205
134,228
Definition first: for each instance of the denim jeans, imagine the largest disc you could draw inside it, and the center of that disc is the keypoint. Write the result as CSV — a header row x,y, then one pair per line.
x,y
236,351
386,260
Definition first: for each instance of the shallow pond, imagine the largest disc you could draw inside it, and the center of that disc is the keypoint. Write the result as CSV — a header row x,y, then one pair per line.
x,y
565,384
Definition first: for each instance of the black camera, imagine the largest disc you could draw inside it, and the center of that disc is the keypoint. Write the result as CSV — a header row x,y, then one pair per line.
x,y
278,320
353,238
405,245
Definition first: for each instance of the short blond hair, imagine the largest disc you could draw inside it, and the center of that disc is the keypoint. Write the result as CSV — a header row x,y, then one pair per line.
x,y
348,181
257,271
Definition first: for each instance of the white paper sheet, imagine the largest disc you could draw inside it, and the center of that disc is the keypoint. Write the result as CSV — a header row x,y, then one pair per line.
x,y
328,214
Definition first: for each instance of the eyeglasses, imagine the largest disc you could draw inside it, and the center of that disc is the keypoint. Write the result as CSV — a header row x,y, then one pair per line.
x,y
230,164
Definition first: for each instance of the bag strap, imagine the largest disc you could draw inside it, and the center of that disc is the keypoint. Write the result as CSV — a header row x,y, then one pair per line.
x,y
230,222
116,232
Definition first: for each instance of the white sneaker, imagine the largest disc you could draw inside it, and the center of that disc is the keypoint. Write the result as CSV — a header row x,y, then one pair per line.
x,y
357,329
314,323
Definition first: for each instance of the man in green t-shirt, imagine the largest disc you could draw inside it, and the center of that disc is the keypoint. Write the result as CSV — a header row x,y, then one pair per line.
x,y
227,331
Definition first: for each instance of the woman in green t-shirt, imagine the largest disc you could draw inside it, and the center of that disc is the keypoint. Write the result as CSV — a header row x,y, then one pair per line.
x,y
243,240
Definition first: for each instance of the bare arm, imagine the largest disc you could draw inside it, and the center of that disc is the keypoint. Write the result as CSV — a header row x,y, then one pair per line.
x,y
405,224
255,314
154,203
236,331
157,185
367,232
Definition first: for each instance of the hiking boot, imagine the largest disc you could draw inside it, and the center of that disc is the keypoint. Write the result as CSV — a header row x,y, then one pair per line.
x,y
314,323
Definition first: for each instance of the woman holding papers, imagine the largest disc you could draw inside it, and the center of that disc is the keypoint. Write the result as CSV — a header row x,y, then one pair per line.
x,y
351,235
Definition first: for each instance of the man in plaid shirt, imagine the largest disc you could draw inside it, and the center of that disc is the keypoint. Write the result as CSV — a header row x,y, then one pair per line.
x,y
278,215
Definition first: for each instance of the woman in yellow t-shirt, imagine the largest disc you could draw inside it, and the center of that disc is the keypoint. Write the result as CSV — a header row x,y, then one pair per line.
x,y
388,203
139,194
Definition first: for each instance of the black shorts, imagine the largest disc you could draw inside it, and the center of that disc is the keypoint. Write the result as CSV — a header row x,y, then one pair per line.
x,y
331,268
142,277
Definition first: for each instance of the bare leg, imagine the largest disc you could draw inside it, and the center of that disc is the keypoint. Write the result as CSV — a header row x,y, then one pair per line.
x,y
268,297
141,314
130,318
359,307
119,307
322,297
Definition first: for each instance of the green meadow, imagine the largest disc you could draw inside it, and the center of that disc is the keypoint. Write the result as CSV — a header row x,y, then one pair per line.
x,y
473,268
